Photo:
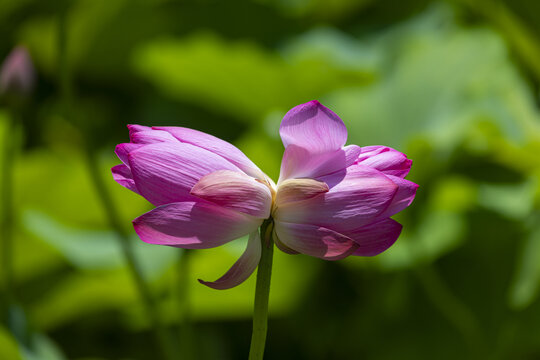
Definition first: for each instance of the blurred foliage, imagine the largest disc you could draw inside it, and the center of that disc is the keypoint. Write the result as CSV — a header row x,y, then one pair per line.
x,y
453,84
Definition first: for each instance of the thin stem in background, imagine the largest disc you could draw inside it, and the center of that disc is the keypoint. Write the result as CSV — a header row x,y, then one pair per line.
x,y
455,311
16,320
262,293
150,306
6,223
127,249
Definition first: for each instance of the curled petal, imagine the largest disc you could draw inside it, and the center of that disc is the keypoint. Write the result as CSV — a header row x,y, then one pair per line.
x,y
386,160
404,196
165,172
314,240
375,238
299,189
122,175
216,146
313,127
356,198
242,268
298,162
193,225
235,190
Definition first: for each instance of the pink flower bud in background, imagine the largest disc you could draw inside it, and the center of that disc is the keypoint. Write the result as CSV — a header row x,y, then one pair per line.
x,y
17,75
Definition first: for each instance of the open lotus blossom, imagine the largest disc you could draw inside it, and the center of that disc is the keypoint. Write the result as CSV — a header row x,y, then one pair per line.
x,y
331,200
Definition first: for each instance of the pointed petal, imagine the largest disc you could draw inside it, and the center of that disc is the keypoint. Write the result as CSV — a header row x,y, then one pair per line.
x,y
165,172
298,162
242,268
314,240
313,127
403,197
299,189
356,198
235,190
375,238
193,225
386,160
122,175
215,145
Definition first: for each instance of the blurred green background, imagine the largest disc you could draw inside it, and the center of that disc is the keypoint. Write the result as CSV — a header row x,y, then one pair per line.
x,y
453,84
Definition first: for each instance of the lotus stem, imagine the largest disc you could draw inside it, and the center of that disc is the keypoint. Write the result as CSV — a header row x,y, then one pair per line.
x,y
262,293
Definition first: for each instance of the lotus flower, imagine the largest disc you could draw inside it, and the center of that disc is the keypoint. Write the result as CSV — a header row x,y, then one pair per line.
x,y
331,200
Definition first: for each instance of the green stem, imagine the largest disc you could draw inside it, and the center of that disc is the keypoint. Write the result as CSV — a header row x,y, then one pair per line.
x,y
123,239
262,292
186,333
162,336
6,223
455,311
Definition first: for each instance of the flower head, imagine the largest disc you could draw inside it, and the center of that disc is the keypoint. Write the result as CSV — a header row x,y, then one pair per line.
x,y
17,73
331,200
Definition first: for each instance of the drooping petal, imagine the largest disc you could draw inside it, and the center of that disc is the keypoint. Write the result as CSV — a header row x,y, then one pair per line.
x,y
298,162
217,146
193,225
235,190
299,189
376,237
313,127
165,172
386,160
122,175
403,197
242,268
314,240
355,199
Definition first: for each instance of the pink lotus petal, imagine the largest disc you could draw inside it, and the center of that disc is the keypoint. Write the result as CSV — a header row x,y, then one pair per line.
x,y
215,145
193,225
281,246
122,175
242,268
151,136
165,172
299,189
356,198
299,163
313,127
314,240
235,190
403,197
376,237
386,160
133,128
122,151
